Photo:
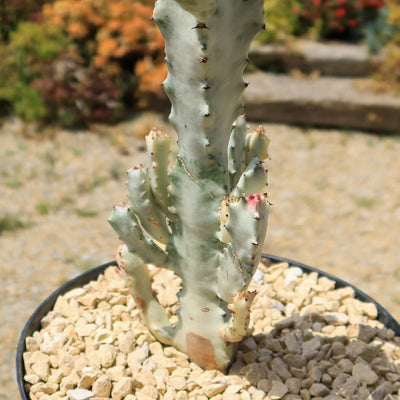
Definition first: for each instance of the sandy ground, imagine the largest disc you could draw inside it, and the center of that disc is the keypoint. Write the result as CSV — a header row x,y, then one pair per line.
x,y
336,197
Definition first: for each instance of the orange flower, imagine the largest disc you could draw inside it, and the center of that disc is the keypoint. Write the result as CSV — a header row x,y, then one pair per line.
x,y
76,30
142,11
113,25
117,9
151,75
99,61
62,8
134,30
107,47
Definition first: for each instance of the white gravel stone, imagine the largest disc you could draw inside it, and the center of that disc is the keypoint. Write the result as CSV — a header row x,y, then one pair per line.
x,y
121,388
116,373
293,343
41,369
69,382
294,385
119,359
126,342
80,394
32,378
310,347
214,389
84,329
31,344
319,389
108,353
104,336
102,386
336,318
279,366
291,274
364,374
278,390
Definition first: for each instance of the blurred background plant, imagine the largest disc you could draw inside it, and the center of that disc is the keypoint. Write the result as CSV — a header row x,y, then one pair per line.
x,y
349,20
75,62
388,75
14,11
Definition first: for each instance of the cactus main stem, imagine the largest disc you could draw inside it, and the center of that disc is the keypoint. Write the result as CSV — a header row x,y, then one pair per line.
x,y
207,219
206,45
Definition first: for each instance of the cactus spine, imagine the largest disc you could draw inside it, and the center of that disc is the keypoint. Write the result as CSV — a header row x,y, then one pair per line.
x,y
205,220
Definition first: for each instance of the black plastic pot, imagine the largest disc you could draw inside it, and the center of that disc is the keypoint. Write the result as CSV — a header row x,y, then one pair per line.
x,y
33,323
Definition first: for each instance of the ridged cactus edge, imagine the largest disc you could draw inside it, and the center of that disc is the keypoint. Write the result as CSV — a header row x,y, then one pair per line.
x,y
206,218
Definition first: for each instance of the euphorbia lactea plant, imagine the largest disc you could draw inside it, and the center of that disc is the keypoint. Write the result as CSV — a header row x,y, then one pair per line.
x,y
206,219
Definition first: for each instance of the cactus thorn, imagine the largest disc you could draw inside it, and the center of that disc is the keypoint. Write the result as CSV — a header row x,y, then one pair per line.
x,y
200,25
246,84
203,60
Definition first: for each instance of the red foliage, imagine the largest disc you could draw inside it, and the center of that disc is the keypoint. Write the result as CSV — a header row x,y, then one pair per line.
x,y
336,15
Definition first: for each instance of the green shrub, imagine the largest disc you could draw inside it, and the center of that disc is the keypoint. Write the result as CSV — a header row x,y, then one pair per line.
x,y
85,62
31,47
388,76
28,104
14,11
280,20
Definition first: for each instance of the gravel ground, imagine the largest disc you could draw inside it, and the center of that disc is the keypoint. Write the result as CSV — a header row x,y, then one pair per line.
x,y
336,197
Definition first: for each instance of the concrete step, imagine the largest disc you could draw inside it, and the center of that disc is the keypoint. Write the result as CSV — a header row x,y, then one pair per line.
x,y
328,58
323,101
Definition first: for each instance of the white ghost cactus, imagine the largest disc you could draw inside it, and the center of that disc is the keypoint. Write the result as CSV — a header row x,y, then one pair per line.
x,y
206,219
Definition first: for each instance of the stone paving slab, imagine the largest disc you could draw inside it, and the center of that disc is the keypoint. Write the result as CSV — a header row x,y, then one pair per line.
x,y
323,101
332,58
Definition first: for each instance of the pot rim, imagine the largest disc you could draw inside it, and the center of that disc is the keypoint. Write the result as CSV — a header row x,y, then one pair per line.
x,y
46,305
